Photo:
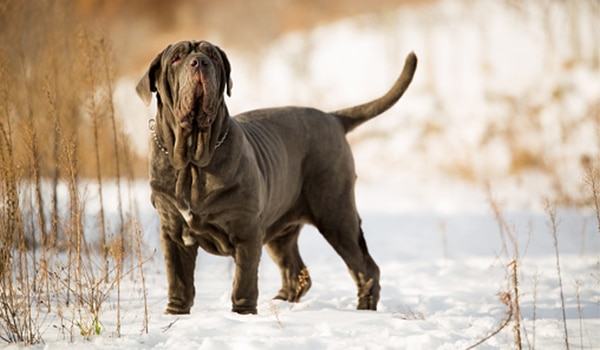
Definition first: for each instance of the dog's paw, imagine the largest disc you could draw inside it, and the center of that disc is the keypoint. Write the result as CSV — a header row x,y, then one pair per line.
x,y
367,303
243,310
367,295
293,292
176,311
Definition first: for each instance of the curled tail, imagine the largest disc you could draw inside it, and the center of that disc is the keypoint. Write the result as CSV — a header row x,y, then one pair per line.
x,y
354,116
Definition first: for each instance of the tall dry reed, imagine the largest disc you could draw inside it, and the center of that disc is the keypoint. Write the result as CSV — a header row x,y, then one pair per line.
x,y
60,138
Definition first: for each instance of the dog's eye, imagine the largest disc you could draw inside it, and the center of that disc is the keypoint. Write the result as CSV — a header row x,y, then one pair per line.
x,y
176,60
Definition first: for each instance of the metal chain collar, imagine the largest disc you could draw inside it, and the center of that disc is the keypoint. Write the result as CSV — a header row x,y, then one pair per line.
x,y
152,127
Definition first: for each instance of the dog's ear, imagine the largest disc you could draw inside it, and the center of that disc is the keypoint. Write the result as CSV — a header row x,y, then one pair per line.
x,y
147,85
227,68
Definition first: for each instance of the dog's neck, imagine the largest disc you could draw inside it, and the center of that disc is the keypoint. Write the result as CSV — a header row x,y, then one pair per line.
x,y
163,149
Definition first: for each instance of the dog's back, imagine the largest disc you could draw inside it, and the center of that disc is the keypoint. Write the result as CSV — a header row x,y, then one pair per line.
x,y
296,148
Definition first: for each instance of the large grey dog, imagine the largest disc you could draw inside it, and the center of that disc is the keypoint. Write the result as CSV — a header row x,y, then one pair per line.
x,y
233,184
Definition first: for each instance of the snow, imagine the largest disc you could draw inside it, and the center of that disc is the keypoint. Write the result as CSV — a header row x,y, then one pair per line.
x,y
441,279
433,233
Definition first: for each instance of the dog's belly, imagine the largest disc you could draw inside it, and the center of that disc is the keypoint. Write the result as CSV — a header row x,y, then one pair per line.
x,y
215,246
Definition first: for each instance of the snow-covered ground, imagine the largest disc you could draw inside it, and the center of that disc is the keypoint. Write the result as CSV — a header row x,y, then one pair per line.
x,y
486,70
442,275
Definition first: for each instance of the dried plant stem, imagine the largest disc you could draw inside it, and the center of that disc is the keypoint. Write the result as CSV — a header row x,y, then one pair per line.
x,y
535,287
35,167
505,299
554,231
42,270
18,322
51,96
94,114
119,257
45,261
275,311
12,326
111,110
579,311
507,231
517,311
102,220
140,255
503,226
591,174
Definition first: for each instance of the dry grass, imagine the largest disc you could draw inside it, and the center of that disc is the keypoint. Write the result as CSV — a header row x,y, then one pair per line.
x,y
274,310
247,25
56,110
57,78
505,298
407,313
592,184
510,251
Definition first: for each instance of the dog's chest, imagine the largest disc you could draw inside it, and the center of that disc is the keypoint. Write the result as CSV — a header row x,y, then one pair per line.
x,y
199,204
195,190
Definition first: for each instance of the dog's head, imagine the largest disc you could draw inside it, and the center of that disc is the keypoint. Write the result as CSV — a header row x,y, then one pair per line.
x,y
190,79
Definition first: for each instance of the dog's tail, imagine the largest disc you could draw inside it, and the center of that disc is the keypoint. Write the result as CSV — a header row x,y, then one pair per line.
x,y
354,116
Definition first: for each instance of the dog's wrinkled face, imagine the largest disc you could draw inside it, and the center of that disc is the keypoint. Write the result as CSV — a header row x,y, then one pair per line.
x,y
190,78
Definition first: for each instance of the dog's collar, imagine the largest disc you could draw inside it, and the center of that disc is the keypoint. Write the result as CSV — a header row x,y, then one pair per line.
x,y
220,142
152,127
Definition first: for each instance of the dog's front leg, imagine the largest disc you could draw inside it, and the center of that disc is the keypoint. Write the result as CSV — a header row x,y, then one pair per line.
x,y
244,296
180,261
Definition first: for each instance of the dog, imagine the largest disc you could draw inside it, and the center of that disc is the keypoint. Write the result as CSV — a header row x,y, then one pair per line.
x,y
233,184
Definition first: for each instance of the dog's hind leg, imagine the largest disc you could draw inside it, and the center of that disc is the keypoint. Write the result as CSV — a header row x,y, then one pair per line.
x,y
339,223
294,274
350,244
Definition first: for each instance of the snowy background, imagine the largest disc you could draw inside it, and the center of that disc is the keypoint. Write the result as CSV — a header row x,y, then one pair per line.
x,y
505,94
504,105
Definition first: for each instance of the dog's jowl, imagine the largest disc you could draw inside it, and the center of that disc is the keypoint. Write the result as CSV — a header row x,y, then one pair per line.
x,y
233,184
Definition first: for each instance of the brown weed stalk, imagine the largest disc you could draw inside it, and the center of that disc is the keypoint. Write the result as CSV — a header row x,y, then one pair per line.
x,y
591,181
506,300
508,231
553,224
58,129
140,256
18,321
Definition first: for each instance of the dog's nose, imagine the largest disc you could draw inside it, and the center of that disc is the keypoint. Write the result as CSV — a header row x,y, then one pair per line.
x,y
199,61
